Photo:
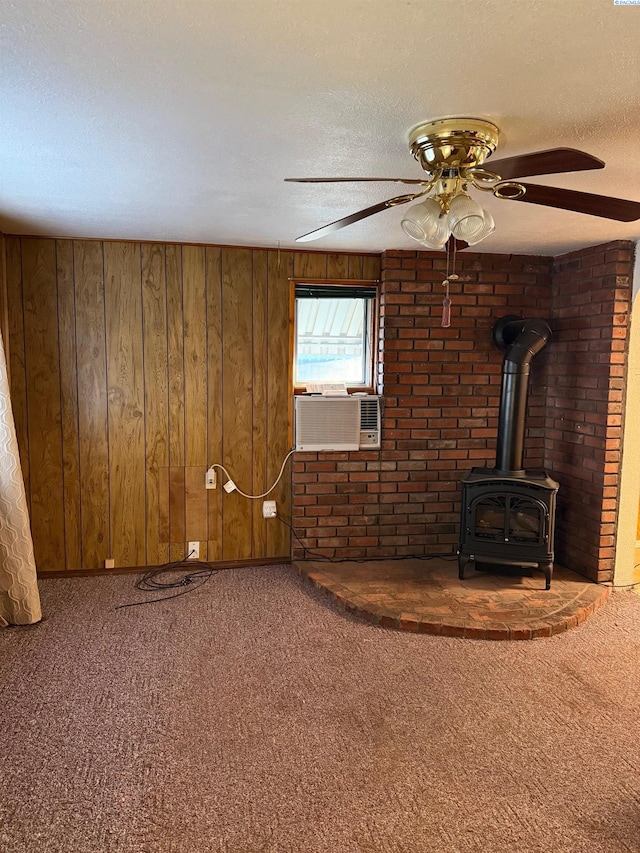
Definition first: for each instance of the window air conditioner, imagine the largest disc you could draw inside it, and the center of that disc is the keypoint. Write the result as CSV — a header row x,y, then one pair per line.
x,y
337,423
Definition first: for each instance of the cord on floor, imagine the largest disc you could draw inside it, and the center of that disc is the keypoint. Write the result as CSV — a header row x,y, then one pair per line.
x,y
152,580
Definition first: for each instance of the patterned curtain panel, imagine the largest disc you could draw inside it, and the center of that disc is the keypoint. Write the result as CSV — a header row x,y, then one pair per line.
x,y
19,599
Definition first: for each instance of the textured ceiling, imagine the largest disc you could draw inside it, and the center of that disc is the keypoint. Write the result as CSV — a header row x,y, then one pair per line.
x,y
169,120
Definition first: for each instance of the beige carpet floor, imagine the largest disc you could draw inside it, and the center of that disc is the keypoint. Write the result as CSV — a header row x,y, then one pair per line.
x,y
253,716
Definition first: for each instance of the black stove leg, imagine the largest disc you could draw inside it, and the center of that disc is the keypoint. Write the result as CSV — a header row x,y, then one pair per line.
x,y
547,568
463,562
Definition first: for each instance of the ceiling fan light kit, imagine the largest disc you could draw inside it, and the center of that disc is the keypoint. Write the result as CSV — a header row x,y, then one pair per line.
x,y
452,151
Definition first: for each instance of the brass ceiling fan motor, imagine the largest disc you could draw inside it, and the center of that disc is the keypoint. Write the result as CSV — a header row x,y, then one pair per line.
x,y
453,143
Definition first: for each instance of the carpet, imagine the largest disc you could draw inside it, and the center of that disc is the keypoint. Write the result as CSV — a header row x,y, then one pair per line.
x,y
253,715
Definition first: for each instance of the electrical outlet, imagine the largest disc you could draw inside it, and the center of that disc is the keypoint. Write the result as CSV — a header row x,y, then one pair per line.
x,y
193,551
109,563
210,478
268,509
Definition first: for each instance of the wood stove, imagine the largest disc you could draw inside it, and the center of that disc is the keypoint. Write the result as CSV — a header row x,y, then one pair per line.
x,y
508,520
508,513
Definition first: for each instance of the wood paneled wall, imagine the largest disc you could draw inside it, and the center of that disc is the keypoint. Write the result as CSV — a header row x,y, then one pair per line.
x,y
134,366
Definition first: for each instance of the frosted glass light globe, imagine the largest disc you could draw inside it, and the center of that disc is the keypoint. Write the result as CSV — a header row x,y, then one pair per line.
x,y
488,228
466,217
439,238
421,221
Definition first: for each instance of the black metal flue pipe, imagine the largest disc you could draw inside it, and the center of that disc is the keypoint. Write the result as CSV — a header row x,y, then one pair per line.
x,y
522,339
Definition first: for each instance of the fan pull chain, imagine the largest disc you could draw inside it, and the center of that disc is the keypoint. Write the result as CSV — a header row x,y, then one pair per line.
x,y
446,302
446,306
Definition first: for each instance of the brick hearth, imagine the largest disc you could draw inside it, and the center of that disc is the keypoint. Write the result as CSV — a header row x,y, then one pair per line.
x,y
427,598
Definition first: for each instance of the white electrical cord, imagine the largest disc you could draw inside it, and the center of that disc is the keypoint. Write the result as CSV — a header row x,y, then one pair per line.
x,y
244,494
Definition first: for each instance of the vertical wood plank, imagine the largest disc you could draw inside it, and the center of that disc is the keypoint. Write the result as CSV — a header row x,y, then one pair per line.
x,y
156,401
309,265
279,396
175,326
371,267
337,266
177,516
17,369
123,307
92,396
355,266
175,348
195,355
214,398
69,403
237,302
260,390
164,534
43,401
196,507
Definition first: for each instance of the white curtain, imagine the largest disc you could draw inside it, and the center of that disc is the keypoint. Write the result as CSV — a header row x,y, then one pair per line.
x,y
19,598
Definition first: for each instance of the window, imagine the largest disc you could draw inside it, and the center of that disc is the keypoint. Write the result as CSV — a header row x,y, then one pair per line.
x,y
334,334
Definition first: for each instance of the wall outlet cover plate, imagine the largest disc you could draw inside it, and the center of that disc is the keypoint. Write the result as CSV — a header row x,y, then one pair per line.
x,y
268,509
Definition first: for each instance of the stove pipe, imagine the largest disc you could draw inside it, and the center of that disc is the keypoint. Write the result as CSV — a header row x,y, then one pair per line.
x,y
521,339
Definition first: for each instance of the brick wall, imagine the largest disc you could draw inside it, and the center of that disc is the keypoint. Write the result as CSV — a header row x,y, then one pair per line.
x,y
441,390
587,362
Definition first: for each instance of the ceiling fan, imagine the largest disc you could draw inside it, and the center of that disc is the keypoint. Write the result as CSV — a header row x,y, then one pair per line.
x,y
452,151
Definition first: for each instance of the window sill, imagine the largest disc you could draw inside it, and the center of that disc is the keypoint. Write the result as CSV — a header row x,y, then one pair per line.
x,y
357,389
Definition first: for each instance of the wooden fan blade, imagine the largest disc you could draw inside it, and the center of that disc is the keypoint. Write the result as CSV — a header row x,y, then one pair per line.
x,y
549,162
595,205
355,217
345,180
